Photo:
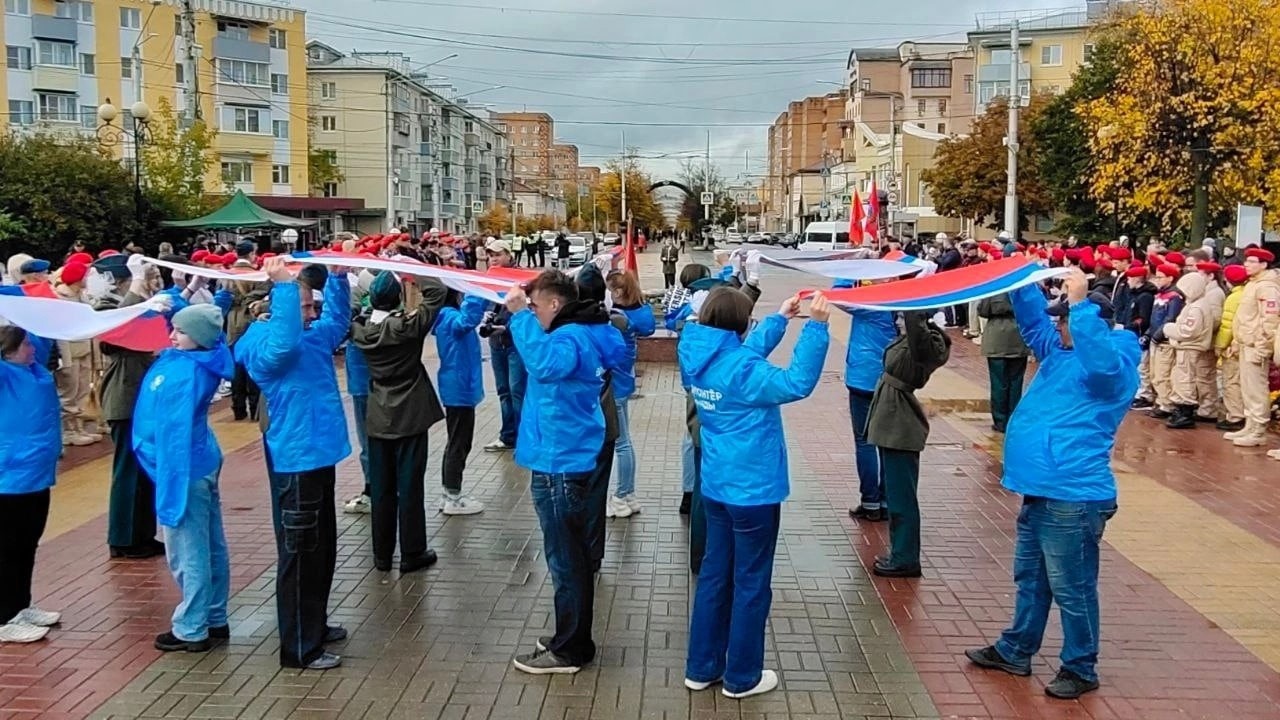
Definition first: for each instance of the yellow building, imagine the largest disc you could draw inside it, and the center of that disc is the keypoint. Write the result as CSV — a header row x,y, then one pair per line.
x,y
1052,44
247,66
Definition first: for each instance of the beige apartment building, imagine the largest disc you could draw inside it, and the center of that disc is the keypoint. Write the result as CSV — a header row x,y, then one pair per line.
x,y
532,135
808,133
564,165
588,175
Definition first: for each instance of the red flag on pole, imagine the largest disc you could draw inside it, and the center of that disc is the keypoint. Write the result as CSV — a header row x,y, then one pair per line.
x,y
629,263
873,217
857,221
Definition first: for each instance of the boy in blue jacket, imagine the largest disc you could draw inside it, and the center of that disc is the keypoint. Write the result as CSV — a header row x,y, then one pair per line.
x,y
1058,457
461,390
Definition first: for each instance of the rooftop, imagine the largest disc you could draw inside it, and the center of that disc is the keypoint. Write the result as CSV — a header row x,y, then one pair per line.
x,y
1032,20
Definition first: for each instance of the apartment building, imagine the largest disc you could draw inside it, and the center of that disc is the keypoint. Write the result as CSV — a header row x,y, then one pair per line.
x,y
807,133
64,58
564,164
419,157
588,175
531,135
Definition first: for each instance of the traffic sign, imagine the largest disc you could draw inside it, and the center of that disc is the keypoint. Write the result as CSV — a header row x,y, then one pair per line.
x,y
477,206
824,204
826,172
846,199
893,196
708,198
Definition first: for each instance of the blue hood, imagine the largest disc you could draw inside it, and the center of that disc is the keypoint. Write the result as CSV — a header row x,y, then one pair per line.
x,y
216,360
701,345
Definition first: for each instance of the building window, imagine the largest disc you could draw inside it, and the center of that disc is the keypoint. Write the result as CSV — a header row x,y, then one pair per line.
x,y
237,171
179,72
1004,57
1088,52
58,108
329,123
931,78
942,106
130,18
275,38
88,117
244,72
126,68
330,189
242,119
328,90
280,129
21,112
942,128
55,53
87,64
17,57
17,7
177,25
921,107
279,84
1044,223
968,84
1051,55
280,174
86,11
233,30
64,9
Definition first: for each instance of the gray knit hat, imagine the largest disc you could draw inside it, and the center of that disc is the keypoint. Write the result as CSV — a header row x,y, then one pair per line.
x,y
202,323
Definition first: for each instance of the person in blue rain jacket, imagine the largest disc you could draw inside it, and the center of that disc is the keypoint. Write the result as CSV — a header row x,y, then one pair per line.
x,y
179,452
870,332
634,318
461,386
1058,457
30,443
739,395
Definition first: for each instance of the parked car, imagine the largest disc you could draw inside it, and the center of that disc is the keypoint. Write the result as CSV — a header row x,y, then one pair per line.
x,y
788,240
612,239
579,249
759,239
732,235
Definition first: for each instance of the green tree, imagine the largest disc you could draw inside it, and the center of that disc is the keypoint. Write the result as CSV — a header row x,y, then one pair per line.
x,y
699,178
644,211
322,164
174,163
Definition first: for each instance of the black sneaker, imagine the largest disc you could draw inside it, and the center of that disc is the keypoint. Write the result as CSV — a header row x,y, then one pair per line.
x,y
989,658
221,632
421,562
1230,425
1160,413
168,642
1069,686
545,662
1140,404
686,501
869,514
544,642
882,568
335,633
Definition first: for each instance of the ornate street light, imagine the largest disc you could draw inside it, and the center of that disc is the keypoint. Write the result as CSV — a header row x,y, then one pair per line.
x,y
139,133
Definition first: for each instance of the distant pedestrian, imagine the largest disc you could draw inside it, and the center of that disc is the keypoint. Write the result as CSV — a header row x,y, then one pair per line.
x,y
1006,356
670,256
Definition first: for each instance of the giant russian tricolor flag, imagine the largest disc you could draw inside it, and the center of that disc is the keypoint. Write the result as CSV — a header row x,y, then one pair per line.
x,y
954,287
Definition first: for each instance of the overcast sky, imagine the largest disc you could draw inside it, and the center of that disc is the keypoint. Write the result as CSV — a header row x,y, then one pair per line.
x,y
604,67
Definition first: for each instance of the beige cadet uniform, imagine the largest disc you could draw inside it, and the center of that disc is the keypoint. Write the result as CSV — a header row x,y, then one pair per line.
x,y
1232,402
1191,337
1254,336
74,381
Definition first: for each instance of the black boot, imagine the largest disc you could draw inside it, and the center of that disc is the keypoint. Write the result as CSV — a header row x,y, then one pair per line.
x,y
1184,417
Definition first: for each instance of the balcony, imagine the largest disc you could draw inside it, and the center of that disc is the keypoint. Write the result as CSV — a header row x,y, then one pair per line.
x,y
236,49
472,188
424,149
1000,73
449,156
56,78
449,183
470,138
260,144
48,27
486,179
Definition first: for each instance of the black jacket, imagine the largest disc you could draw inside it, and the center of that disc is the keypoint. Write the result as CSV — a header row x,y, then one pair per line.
x,y
896,420
1137,313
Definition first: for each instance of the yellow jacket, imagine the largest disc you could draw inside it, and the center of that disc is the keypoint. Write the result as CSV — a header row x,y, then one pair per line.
x,y
1223,340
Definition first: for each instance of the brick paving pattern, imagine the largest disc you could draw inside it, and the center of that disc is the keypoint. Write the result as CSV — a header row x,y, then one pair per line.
x,y
438,644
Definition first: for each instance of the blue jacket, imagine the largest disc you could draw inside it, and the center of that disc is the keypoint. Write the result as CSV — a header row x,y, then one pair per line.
x,y
870,333
561,424
171,435
357,371
1060,438
306,426
30,440
640,323
1166,308
460,380
738,394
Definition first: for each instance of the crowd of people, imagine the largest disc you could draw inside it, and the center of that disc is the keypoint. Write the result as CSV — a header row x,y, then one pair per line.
x,y
563,350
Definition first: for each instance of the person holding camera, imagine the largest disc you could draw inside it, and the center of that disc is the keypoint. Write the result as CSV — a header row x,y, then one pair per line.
x,y
508,369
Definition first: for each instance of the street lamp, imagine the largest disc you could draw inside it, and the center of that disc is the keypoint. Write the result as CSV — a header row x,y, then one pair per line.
x,y
139,133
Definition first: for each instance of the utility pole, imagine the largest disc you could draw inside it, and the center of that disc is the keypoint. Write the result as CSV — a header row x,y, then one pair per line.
x,y
706,179
389,119
624,177
511,183
1015,101
190,65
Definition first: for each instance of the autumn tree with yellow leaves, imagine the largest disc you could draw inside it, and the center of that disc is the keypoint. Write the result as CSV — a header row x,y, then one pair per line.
x,y
1192,126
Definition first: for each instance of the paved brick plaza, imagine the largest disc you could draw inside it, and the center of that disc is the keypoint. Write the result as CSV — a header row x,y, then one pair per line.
x,y
1190,591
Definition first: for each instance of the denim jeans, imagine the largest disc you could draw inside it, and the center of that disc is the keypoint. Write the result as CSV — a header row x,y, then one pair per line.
x,y
197,553
564,507
624,461
1056,560
509,376
359,409
866,457
598,500
688,466
731,605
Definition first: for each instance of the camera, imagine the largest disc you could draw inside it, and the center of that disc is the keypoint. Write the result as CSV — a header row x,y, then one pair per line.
x,y
487,325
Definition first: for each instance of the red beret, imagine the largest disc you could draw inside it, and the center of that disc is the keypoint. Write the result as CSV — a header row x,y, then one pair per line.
x,y
83,258
1235,274
368,251
200,256
1020,247
1104,250
1262,254
108,253
1136,271
74,272
1120,254
1169,270
1086,261
229,259
266,255
1059,254
1208,267
1176,258
1154,258
1072,254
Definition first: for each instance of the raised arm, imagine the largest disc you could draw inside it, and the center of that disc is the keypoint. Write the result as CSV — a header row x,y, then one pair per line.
x,y
547,356
765,384
925,346
1037,329
1091,338
335,317
283,331
764,339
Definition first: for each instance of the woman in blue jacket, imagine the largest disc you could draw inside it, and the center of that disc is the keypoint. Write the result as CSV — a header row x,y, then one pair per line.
x,y
461,390
176,447
738,394
30,443
634,318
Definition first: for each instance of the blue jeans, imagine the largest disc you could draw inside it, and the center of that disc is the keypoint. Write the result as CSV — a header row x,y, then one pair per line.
x,y
624,463
564,505
866,457
197,553
688,465
510,377
1056,560
359,409
731,606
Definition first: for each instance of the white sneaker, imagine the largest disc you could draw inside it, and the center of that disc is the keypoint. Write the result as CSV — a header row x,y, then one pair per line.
x,y
39,618
768,681
633,502
617,507
696,685
461,505
1273,454
1250,440
78,439
1234,434
497,446
21,633
358,505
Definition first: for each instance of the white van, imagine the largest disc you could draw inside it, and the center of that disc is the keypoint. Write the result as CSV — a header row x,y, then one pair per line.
x,y
825,236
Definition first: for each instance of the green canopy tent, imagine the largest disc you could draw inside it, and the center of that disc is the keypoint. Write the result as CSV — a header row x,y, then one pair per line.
x,y
240,212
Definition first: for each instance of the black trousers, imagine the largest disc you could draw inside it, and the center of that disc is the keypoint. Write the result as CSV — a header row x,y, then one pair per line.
x,y
697,516
669,278
306,528
461,423
22,519
131,505
244,394
542,256
1007,375
396,474
598,501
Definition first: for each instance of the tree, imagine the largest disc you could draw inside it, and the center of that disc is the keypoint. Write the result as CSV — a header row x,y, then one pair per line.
x,y
495,221
174,162
968,178
699,178
64,189
644,211
322,164
1189,129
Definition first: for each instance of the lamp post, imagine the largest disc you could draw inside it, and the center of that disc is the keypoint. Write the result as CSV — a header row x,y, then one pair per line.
x,y
139,133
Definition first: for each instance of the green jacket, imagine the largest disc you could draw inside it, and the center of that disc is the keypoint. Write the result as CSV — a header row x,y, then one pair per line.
x,y
124,372
896,420
1001,338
